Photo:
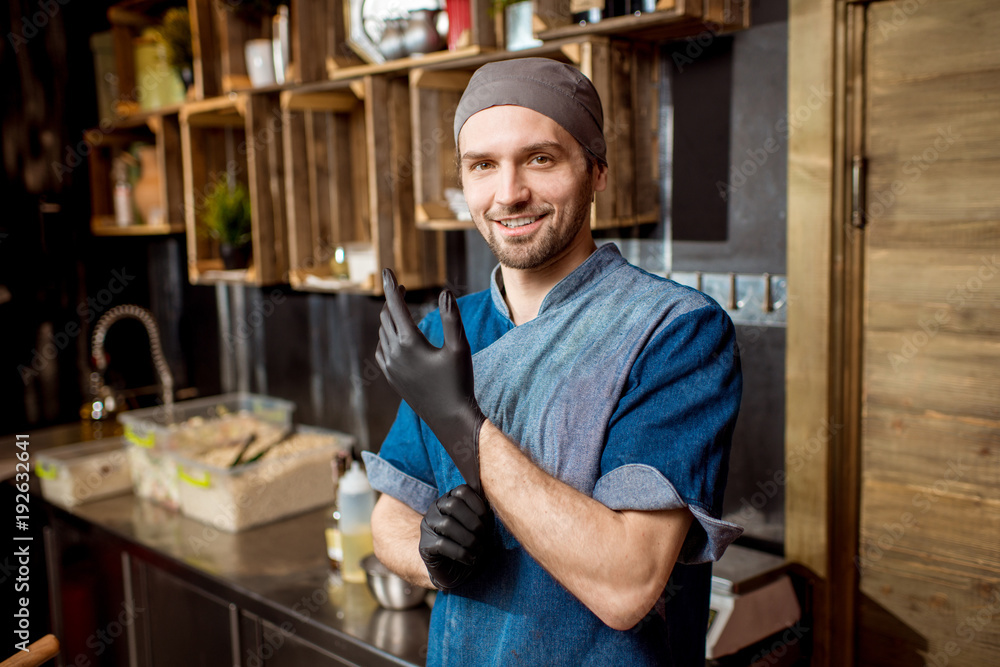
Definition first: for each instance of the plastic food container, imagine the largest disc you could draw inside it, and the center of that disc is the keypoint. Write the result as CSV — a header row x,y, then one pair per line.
x,y
87,471
151,433
275,487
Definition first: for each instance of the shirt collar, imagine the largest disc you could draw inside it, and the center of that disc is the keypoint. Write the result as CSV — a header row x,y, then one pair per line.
x,y
601,262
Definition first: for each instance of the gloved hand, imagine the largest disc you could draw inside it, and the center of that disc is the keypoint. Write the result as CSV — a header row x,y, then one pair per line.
x,y
436,382
455,536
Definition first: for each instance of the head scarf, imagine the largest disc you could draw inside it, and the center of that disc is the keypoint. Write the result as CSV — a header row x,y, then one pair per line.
x,y
551,88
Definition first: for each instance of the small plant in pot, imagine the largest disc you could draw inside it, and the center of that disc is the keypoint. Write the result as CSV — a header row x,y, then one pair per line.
x,y
226,218
175,33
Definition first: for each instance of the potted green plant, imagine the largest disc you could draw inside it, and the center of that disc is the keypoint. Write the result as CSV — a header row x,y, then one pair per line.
x,y
226,219
175,33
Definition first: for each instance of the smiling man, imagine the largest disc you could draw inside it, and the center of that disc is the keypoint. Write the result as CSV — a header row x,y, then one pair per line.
x,y
558,463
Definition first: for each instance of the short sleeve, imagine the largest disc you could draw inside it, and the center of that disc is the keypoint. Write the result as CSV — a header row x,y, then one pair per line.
x,y
670,435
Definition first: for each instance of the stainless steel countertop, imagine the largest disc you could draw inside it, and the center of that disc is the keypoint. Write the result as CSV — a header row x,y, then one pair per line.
x,y
282,565
279,571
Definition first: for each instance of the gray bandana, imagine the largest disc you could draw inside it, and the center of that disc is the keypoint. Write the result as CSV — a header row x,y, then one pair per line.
x,y
547,86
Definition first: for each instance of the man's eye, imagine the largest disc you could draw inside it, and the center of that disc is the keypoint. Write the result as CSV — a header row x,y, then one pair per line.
x,y
541,159
480,166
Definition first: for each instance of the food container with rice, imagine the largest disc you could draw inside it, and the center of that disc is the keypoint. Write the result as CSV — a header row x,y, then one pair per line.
x,y
263,478
87,471
192,428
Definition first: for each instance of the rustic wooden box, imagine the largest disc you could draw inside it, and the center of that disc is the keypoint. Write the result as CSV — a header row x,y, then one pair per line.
x,y
626,79
485,35
106,142
673,19
128,19
238,138
350,181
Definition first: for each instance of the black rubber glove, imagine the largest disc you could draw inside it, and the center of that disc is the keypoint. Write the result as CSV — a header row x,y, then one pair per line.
x,y
455,536
436,382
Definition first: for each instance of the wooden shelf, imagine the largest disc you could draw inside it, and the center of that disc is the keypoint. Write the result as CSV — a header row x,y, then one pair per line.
x,y
350,181
235,138
104,225
405,64
139,118
348,152
626,79
673,19
161,129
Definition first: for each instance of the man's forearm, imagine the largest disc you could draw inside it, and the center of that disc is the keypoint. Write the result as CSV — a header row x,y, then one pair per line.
x,y
396,536
615,563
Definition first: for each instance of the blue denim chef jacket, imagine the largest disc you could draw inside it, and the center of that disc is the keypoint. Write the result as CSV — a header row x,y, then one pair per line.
x,y
625,386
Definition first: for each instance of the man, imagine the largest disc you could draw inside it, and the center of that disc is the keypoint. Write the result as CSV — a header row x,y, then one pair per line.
x,y
587,405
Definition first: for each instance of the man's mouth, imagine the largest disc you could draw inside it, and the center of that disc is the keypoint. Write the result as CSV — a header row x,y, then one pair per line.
x,y
514,223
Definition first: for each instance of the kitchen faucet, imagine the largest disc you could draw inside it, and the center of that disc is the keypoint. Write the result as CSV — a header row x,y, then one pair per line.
x,y
103,402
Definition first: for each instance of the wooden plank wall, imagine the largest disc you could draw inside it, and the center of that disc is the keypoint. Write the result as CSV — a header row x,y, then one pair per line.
x,y
930,500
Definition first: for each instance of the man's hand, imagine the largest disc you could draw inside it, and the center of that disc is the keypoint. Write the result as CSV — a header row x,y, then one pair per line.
x,y
455,535
436,382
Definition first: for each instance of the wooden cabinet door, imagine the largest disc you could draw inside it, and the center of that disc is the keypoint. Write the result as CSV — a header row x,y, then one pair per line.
x,y
929,542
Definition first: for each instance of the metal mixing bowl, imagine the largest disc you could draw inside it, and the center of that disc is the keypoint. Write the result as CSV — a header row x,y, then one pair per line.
x,y
391,591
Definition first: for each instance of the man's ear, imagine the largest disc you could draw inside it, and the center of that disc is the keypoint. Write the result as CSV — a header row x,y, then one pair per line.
x,y
600,177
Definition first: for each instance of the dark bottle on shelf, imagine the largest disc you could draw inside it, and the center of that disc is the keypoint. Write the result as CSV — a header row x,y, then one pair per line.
x,y
613,8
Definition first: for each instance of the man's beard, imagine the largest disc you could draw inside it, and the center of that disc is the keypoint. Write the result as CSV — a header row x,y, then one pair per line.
x,y
548,242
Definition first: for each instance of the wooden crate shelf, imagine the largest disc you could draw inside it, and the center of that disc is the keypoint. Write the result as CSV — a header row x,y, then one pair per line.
x,y
236,138
484,36
626,79
128,19
673,19
350,182
159,129
105,226
317,32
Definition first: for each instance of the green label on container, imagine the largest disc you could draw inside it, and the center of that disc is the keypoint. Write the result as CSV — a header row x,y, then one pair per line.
x,y
46,472
204,482
146,441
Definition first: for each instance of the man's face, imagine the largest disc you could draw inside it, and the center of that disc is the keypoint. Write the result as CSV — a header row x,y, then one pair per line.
x,y
527,185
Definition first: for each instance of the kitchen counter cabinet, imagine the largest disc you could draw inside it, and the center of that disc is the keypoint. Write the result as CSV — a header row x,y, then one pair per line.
x,y
199,596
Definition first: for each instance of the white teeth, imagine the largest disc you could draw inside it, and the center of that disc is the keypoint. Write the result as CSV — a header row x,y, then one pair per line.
x,y
518,222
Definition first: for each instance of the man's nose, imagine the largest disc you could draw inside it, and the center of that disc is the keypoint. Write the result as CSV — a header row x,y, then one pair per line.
x,y
512,188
